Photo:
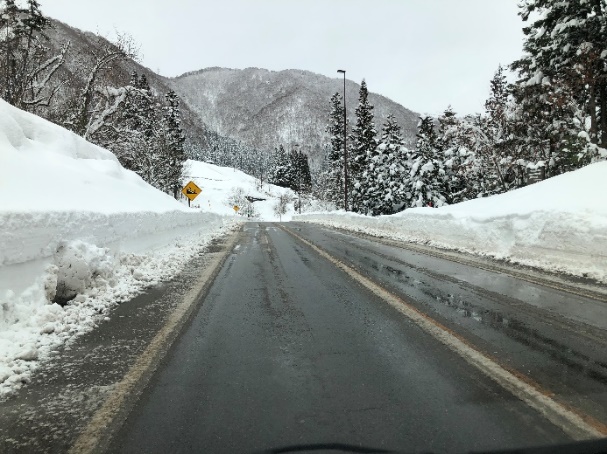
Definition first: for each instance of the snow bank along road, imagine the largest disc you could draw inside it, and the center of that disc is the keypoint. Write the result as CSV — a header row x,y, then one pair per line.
x,y
559,224
77,226
312,337
303,335
102,372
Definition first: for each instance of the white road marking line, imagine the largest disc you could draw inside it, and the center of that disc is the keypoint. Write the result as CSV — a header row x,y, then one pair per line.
x,y
577,426
107,419
474,263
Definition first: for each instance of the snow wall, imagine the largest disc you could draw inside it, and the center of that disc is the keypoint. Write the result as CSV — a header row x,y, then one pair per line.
x,y
559,224
74,222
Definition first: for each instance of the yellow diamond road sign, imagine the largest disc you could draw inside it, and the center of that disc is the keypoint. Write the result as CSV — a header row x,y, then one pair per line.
x,y
191,191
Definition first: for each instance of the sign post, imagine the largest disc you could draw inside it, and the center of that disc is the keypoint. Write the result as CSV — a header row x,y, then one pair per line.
x,y
191,191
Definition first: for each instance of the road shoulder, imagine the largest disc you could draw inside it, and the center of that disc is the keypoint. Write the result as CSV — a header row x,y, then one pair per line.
x,y
80,397
571,284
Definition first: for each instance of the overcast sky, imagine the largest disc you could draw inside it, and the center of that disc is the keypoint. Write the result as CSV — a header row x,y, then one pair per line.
x,y
424,54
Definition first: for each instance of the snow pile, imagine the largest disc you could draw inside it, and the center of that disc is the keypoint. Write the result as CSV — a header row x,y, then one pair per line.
x,y
559,224
77,228
219,184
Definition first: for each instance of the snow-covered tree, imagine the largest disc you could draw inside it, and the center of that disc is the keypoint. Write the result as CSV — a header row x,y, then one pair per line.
x,y
322,181
89,106
301,179
562,88
426,176
385,178
281,171
172,139
363,146
144,132
26,65
502,161
453,143
126,121
281,205
448,129
334,178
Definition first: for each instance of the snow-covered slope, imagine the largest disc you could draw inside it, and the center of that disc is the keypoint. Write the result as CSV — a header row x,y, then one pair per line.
x,y
75,225
559,224
219,184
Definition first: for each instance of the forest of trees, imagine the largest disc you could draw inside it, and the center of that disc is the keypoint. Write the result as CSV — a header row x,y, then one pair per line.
x,y
290,170
227,152
553,119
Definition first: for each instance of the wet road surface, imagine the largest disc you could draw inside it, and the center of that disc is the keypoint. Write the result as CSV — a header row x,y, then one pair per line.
x,y
287,350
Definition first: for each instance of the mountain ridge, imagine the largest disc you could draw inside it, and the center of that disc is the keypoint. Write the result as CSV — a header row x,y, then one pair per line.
x,y
255,107
265,108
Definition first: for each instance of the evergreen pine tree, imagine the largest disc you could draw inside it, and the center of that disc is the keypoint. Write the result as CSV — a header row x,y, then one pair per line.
x,y
173,139
386,183
302,178
447,137
362,149
452,153
281,172
335,158
562,83
323,180
426,177
501,159
132,133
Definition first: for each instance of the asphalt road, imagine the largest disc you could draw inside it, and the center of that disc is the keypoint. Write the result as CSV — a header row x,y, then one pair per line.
x,y
288,349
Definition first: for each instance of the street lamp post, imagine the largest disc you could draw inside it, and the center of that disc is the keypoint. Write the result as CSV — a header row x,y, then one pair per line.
x,y
343,71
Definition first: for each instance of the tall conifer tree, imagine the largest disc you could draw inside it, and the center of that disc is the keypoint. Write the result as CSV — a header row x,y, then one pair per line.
x,y
172,140
362,148
335,158
426,177
562,83
386,178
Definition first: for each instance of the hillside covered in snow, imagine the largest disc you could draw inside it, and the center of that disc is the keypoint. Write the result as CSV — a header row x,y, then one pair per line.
x,y
224,187
559,224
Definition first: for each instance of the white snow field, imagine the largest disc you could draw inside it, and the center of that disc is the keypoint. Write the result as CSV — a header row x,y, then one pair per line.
x,y
559,224
74,223
219,183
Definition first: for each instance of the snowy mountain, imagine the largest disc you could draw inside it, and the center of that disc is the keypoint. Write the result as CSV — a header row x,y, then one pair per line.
x,y
266,108
84,44
256,107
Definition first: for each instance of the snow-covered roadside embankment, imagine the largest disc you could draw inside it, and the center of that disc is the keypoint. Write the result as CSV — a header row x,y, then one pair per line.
x,y
93,273
77,228
559,224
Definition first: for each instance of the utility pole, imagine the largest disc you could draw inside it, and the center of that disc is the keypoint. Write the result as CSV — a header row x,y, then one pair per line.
x,y
343,71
